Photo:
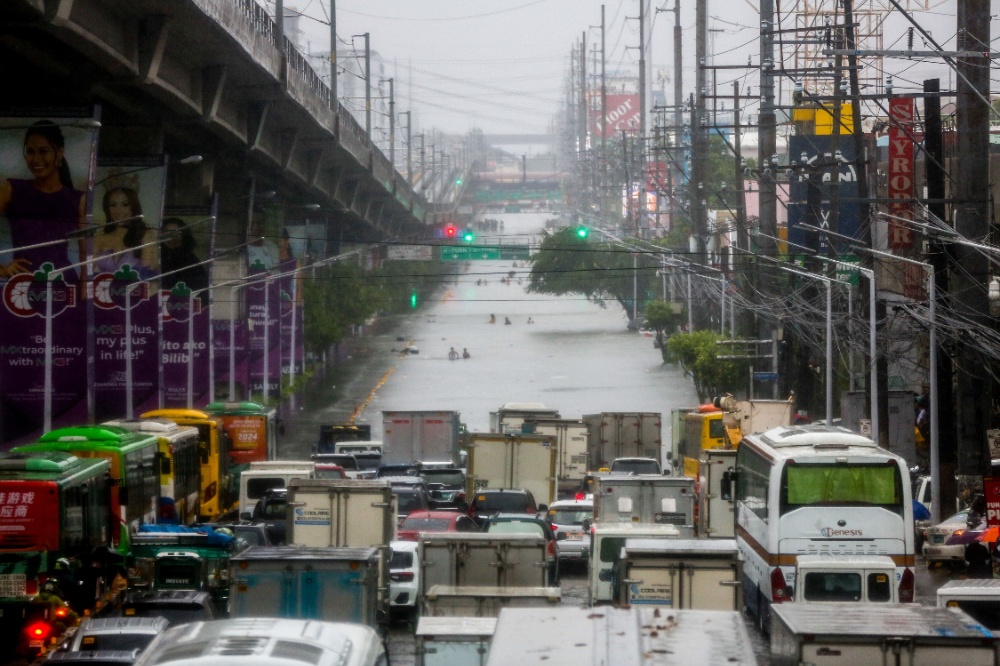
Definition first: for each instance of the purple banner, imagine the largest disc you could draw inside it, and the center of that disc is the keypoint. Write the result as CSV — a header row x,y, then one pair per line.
x,y
226,364
182,331
46,168
264,339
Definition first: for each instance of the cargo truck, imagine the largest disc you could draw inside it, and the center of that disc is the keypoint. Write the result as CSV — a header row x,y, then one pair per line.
x,y
493,560
853,634
656,500
330,584
571,449
717,510
526,462
510,418
454,641
699,574
574,636
429,436
330,435
613,435
606,543
485,601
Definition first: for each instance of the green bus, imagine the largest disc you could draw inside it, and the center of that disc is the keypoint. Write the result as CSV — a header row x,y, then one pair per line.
x,y
135,481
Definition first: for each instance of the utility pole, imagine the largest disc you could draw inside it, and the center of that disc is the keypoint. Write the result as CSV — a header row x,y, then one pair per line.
x,y
678,114
604,120
640,220
582,127
699,147
368,86
972,220
409,151
767,130
742,233
333,55
392,124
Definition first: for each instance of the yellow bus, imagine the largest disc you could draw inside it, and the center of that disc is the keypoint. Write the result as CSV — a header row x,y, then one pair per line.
x,y
218,495
178,467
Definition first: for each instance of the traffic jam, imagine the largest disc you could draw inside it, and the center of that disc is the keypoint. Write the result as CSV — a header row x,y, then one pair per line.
x,y
170,536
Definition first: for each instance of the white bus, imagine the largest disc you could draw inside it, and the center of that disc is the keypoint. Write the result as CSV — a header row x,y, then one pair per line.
x,y
817,490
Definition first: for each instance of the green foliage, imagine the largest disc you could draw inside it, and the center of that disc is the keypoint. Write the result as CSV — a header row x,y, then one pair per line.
x,y
337,296
399,280
569,264
664,318
698,353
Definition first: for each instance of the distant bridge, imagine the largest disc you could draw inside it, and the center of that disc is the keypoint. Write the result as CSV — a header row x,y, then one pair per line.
x,y
520,139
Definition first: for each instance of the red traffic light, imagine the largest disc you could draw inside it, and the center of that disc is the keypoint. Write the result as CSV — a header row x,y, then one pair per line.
x,y
450,231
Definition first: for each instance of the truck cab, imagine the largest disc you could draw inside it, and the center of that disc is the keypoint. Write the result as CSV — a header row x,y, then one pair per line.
x,y
860,578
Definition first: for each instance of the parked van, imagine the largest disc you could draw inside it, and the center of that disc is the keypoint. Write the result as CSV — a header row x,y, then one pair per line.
x,y
273,641
845,578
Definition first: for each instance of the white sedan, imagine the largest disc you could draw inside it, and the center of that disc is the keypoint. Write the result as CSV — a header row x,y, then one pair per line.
x,y
936,548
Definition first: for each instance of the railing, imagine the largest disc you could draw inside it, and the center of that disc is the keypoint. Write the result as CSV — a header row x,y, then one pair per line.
x,y
296,62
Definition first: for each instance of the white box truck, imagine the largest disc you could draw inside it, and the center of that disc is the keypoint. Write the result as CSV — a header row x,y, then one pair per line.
x,y
853,634
481,559
428,436
454,641
485,601
646,499
700,574
613,435
526,462
574,636
717,510
606,543
979,597
341,512
571,449
510,418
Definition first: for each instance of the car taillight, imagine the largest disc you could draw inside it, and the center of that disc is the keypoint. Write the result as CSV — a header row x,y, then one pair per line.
x,y
553,526
61,612
906,586
580,496
401,576
779,591
38,631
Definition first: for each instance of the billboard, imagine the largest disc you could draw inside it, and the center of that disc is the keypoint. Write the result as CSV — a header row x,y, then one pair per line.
x,y
622,115
900,186
827,175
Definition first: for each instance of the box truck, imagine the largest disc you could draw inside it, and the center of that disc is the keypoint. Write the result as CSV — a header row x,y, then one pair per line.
x,y
454,641
492,560
485,601
571,449
428,436
606,543
646,499
510,418
526,462
613,435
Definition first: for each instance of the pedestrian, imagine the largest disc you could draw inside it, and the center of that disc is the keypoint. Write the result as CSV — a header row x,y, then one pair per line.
x,y
465,353
493,319
530,320
506,320
452,354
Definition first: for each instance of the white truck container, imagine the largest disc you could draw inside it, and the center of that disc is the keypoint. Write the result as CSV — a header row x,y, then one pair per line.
x,y
263,475
431,436
331,584
646,499
341,512
481,559
978,597
613,435
699,574
499,461
485,601
717,510
854,634
607,541
870,578
454,641
571,448
575,636
510,418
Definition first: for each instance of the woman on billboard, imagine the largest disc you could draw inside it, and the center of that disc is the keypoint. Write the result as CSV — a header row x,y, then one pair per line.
x,y
124,228
44,208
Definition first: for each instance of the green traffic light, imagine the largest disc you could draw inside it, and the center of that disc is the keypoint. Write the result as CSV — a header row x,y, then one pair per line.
x,y
413,300
582,232
458,181
468,236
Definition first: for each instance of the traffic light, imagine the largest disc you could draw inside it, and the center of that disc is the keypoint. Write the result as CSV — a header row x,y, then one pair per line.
x,y
413,299
468,236
450,231
458,181
582,231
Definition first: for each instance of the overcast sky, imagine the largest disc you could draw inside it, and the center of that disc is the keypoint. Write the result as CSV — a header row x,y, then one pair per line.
x,y
502,65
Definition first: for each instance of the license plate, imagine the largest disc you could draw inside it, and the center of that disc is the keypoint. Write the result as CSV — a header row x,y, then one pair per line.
x,y
938,538
12,585
574,536
933,551
36,644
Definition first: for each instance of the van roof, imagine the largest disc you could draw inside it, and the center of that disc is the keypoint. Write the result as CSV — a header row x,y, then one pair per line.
x,y
973,587
844,561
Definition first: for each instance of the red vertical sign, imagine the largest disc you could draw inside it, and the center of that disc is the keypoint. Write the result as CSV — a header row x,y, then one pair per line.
x,y
901,150
991,489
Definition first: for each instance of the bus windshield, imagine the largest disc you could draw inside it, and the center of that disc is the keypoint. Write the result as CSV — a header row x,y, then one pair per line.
x,y
840,484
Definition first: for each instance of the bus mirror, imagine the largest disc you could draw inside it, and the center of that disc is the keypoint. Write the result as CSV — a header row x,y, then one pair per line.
x,y
726,486
165,465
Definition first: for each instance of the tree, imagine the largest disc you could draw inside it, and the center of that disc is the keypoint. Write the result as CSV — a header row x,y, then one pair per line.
x,y
698,354
569,264
337,297
664,318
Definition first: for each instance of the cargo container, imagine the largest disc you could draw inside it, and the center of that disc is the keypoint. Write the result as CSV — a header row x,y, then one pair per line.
x,y
606,543
454,641
575,636
430,436
331,584
510,418
341,512
485,601
571,449
492,560
853,634
613,435
646,499
717,510
526,462
699,574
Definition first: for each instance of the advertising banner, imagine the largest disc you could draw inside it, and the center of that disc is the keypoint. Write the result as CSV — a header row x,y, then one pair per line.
x,y
623,115
263,296
991,489
47,163
184,312
128,203
901,147
843,176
